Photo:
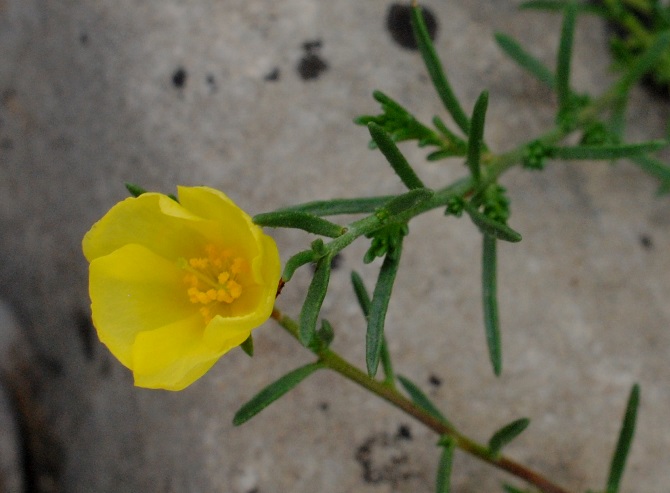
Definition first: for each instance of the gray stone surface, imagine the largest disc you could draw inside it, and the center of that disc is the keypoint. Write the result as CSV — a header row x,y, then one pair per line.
x,y
89,101
11,450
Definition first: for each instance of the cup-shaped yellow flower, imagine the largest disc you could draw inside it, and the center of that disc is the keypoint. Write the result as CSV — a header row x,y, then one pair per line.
x,y
175,285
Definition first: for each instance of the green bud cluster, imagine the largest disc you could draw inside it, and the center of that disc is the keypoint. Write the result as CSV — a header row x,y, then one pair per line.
x,y
534,155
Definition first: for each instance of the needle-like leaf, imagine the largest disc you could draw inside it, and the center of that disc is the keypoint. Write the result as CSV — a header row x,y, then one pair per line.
x,y
506,434
476,135
273,392
394,157
313,301
436,72
380,302
299,220
514,50
625,439
565,57
490,303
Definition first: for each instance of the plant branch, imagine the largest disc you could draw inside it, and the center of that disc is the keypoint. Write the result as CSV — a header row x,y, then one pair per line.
x,y
338,364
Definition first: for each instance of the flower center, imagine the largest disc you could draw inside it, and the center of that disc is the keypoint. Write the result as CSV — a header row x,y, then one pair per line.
x,y
213,280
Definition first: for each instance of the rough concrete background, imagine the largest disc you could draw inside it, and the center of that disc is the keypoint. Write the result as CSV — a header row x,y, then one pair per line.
x,y
94,94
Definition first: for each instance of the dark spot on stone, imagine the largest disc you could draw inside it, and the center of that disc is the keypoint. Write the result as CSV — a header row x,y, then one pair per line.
x,y
7,144
50,364
404,433
179,77
646,242
434,380
273,75
83,39
311,64
254,490
383,459
399,24
86,333
312,46
211,82
324,406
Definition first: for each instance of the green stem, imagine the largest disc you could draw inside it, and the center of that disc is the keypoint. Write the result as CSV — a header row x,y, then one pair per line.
x,y
338,364
494,165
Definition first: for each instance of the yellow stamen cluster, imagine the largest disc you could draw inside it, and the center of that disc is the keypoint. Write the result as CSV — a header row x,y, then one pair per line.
x,y
214,279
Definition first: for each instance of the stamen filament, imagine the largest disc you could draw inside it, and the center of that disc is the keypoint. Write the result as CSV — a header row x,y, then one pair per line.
x,y
183,264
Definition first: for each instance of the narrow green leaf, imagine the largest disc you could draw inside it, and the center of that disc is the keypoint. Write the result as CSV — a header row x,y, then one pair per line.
x,y
316,293
490,227
394,156
399,123
506,434
335,207
514,50
490,302
299,220
443,480
135,190
407,201
326,333
248,346
442,127
319,248
273,392
361,293
296,261
654,167
645,62
476,135
436,72
380,301
438,155
606,151
454,145
565,56
389,102
625,439
364,301
421,399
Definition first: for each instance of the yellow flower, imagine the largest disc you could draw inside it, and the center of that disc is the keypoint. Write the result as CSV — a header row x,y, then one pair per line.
x,y
174,286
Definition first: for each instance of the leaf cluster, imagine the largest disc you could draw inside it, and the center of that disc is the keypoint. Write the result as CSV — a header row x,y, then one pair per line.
x,y
600,121
597,121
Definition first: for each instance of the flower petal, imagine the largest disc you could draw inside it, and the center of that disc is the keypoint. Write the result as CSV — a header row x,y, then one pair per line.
x,y
133,290
153,220
235,227
174,356
225,333
269,267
